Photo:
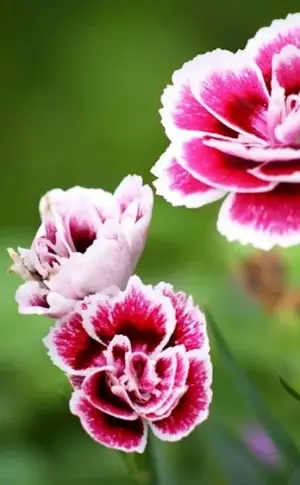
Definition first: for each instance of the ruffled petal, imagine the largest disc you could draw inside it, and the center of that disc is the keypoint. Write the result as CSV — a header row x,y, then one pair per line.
x,y
136,204
263,220
182,111
190,330
231,87
102,390
106,263
269,41
219,169
119,434
193,407
179,386
286,69
142,314
278,171
252,152
33,298
71,348
165,371
178,186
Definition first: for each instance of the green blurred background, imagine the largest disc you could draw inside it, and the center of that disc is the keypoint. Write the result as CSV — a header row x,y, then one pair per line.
x,y
80,92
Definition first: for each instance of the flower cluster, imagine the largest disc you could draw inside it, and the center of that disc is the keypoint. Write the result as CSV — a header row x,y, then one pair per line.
x,y
136,356
233,120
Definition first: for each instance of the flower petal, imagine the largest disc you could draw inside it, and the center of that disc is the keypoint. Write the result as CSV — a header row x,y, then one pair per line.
x,y
231,87
76,381
116,353
98,388
270,40
254,153
278,171
136,204
71,348
165,369
178,186
288,132
32,298
128,436
286,68
106,262
263,220
190,330
179,388
192,408
182,111
218,169
140,312
141,372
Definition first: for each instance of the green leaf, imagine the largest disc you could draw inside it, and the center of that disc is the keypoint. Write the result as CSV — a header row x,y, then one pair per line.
x,y
276,431
292,392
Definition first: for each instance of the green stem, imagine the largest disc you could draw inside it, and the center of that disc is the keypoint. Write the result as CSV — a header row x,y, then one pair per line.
x,y
143,467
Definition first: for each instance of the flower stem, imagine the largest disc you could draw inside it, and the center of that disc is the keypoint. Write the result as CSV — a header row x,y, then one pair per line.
x,y
142,467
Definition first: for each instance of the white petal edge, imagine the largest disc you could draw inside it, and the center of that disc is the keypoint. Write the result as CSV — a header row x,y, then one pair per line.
x,y
233,231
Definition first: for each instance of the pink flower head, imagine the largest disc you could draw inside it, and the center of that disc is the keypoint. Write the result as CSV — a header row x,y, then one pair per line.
x,y
138,359
89,241
233,120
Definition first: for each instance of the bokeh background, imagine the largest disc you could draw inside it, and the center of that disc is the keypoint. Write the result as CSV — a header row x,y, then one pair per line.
x,y
80,90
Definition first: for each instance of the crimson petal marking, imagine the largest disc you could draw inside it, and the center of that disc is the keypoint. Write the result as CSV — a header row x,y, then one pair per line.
x,y
32,298
254,153
264,220
182,111
128,436
269,41
140,312
142,372
278,171
71,348
190,330
98,388
76,381
219,169
178,186
165,368
116,353
182,370
231,87
193,407
80,230
286,69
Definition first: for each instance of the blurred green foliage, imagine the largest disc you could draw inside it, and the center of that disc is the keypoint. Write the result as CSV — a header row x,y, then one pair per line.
x,y
80,93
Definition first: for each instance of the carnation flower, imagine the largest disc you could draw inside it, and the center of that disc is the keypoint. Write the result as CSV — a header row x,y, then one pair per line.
x,y
89,241
136,360
233,120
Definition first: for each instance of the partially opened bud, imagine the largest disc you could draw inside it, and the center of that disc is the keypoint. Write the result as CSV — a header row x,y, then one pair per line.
x,y
89,241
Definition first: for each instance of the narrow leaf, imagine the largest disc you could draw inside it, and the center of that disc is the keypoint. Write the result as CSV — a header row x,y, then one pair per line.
x,y
292,392
276,431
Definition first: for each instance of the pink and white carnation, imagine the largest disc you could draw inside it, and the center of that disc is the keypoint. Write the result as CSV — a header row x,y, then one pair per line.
x,y
136,360
89,241
233,120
